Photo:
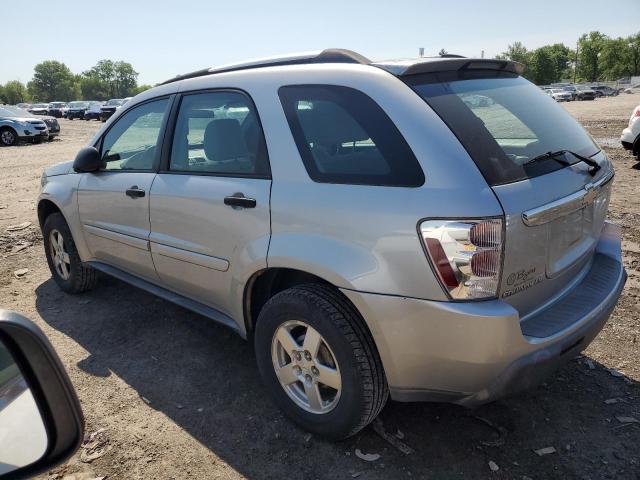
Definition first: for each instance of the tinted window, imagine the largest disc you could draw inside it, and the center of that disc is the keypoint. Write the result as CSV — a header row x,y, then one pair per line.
x,y
131,143
344,137
218,133
504,121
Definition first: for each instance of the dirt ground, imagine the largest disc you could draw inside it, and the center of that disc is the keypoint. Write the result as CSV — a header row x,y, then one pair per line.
x,y
179,396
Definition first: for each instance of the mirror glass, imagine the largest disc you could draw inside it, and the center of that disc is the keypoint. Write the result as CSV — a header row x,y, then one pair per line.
x,y
23,437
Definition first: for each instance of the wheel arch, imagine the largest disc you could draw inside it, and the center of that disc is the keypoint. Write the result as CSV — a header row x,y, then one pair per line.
x,y
268,282
46,207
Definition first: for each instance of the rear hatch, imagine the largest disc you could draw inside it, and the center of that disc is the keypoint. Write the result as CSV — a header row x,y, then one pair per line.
x,y
554,205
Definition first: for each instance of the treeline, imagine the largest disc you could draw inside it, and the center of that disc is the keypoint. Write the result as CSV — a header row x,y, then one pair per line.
x,y
597,57
53,81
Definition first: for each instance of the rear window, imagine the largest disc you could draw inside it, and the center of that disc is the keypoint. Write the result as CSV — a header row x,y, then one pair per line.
x,y
504,121
343,136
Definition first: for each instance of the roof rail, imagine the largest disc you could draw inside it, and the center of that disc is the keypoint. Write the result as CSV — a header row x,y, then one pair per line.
x,y
330,55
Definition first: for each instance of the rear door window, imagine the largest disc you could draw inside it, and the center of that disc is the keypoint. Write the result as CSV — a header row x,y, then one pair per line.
x,y
343,136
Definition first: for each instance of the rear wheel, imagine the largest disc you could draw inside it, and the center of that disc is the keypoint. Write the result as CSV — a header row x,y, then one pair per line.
x,y
67,269
319,362
8,137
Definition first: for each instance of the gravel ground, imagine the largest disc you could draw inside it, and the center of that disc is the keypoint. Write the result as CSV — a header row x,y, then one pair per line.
x,y
179,396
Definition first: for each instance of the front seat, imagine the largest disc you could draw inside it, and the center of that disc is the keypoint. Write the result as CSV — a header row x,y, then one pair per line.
x,y
225,144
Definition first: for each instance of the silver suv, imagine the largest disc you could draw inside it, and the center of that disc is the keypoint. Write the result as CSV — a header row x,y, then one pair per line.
x,y
428,229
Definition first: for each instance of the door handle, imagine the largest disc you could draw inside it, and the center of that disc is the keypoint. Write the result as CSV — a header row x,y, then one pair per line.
x,y
135,192
239,200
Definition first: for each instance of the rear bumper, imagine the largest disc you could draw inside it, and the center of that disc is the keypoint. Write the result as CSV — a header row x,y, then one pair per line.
x,y
473,353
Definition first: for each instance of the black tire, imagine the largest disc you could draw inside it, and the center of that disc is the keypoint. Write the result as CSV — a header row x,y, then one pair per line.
x,y
364,389
8,137
82,277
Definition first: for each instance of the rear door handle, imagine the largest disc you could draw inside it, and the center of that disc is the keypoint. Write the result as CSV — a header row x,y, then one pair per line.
x,y
135,192
239,200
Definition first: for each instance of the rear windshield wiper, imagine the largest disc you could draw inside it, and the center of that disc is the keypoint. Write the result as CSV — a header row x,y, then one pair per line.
x,y
594,166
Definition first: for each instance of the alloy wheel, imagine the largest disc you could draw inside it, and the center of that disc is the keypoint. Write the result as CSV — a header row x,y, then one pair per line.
x,y
7,137
59,255
306,367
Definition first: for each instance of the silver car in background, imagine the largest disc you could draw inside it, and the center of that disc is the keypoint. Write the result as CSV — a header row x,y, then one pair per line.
x,y
17,125
429,230
560,95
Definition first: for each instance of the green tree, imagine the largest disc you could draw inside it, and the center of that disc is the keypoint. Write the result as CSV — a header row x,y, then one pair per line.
x,y
541,67
563,58
633,53
93,88
516,52
615,59
15,92
52,80
141,88
115,78
590,48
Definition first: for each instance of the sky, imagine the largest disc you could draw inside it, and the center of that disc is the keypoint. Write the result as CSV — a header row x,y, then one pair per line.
x,y
164,38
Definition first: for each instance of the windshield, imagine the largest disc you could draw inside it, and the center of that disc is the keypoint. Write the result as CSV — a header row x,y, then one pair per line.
x,y
57,104
503,121
78,105
557,90
114,102
40,105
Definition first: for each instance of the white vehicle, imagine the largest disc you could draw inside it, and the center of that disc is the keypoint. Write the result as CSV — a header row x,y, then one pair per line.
x,y
631,135
559,95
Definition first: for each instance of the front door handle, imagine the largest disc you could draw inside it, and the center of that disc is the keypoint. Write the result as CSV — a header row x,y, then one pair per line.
x,y
239,200
135,192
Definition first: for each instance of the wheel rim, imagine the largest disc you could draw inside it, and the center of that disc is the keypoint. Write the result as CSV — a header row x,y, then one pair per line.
x,y
7,137
59,254
306,367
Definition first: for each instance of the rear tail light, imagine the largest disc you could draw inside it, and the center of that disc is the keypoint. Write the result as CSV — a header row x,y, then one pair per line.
x,y
466,255
636,113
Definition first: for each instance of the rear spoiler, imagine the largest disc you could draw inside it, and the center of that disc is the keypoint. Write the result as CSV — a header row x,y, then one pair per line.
x,y
438,64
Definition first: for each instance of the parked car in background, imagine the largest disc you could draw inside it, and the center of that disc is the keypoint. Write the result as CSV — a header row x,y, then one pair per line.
x,y
584,92
109,108
39,109
560,95
77,109
633,89
52,125
58,109
631,135
371,241
24,106
93,111
604,91
17,124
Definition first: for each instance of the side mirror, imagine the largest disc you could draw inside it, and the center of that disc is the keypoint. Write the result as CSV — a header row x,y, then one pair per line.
x,y
87,160
41,422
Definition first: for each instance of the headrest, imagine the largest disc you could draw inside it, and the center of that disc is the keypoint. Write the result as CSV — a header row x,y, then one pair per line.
x,y
223,140
329,124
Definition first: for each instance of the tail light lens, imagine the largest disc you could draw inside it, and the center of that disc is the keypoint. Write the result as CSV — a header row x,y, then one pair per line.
x,y
466,255
636,113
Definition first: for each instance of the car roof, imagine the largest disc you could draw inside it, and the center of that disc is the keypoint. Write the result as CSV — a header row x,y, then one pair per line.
x,y
400,67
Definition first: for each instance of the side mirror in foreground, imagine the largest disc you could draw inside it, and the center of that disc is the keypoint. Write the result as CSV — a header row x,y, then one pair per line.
x,y
41,422
87,160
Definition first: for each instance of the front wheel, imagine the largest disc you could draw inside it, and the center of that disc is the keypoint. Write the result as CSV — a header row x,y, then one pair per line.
x,y
319,362
67,269
8,137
